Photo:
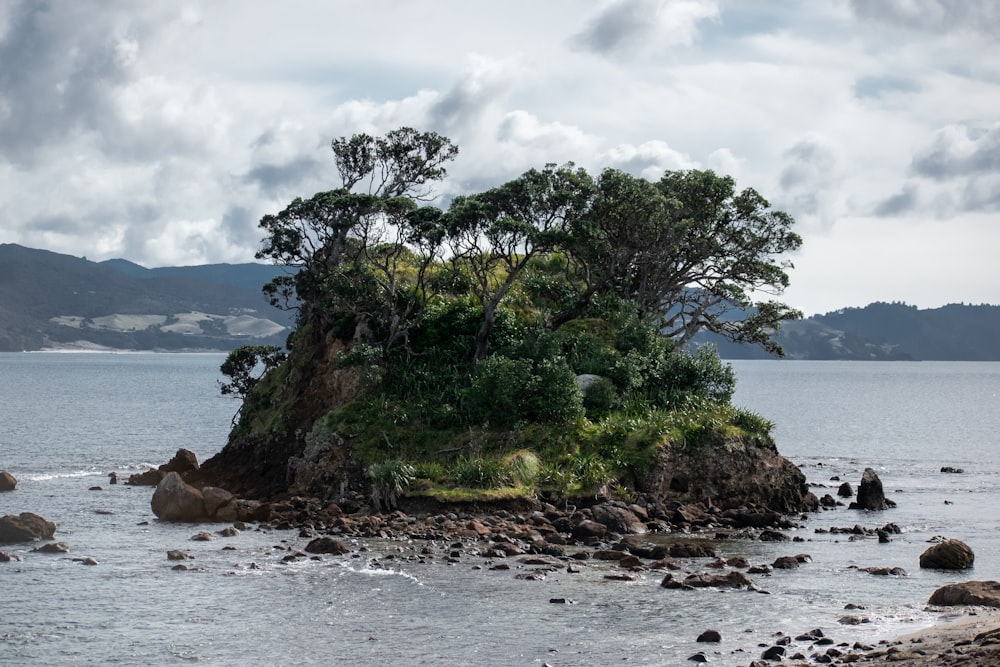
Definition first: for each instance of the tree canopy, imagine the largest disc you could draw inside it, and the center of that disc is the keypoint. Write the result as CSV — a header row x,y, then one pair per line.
x,y
687,252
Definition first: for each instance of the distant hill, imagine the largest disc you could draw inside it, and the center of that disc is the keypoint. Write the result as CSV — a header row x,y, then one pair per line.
x,y
885,331
51,300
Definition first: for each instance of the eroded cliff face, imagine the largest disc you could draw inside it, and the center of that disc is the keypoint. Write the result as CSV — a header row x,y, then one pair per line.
x,y
275,435
730,474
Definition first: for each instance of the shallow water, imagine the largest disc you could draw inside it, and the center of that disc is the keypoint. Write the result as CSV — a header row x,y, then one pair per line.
x,y
69,419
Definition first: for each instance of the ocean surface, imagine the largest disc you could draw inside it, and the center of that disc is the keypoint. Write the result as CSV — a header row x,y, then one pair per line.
x,y
69,419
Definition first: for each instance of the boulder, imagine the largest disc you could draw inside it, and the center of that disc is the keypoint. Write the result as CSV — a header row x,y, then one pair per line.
x,y
972,593
706,580
711,636
845,490
183,462
948,555
588,530
618,519
326,545
216,499
731,473
7,481
25,527
870,493
176,500
151,477
53,548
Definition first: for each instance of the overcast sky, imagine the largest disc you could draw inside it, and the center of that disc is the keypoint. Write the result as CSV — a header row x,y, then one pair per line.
x,y
161,132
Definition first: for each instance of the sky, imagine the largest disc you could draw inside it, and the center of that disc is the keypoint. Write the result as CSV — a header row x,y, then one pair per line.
x,y
161,132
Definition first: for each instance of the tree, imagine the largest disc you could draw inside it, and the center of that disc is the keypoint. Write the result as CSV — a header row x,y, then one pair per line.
x,y
364,250
245,366
690,252
496,234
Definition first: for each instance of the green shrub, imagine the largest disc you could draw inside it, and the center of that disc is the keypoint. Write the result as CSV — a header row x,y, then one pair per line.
x,y
524,467
480,472
389,479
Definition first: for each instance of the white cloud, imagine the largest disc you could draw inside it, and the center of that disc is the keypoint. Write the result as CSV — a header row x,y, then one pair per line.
x,y
162,132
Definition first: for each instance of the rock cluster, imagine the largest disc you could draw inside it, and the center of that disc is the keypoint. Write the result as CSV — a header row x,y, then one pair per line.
x,y
176,500
25,527
184,462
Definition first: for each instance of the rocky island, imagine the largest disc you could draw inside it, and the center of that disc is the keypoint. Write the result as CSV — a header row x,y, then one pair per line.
x,y
526,346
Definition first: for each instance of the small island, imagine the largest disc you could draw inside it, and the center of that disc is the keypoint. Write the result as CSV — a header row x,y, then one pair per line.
x,y
526,345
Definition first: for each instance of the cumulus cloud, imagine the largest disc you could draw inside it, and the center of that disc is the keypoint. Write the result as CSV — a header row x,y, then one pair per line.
x,y
960,151
810,180
648,160
629,26
981,16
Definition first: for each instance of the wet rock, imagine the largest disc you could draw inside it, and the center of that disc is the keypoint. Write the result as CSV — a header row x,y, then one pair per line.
x,y
25,527
950,469
177,554
774,653
176,500
845,490
691,550
885,571
772,536
948,555
828,501
705,580
216,499
183,462
7,481
53,548
698,657
326,545
87,561
588,531
229,531
870,493
150,477
785,563
7,557
202,537
972,593
710,636
618,519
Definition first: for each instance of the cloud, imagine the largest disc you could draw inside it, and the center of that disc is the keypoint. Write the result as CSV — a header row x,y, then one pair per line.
x,y
811,179
874,87
904,201
648,160
483,84
959,151
274,180
629,26
936,16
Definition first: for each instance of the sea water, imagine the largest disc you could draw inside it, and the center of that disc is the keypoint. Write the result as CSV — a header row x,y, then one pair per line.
x,y
69,419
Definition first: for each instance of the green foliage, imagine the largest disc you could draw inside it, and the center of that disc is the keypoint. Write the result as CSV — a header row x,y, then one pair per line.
x,y
481,472
390,479
471,326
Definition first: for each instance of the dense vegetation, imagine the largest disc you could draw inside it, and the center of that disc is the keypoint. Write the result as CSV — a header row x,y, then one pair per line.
x,y
529,336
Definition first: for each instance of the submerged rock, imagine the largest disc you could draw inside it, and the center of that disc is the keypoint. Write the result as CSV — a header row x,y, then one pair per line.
x,y
948,555
25,527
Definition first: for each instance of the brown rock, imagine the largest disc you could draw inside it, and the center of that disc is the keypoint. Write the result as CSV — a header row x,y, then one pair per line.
x,y
176,500
184,461
25,527
870,493
7,481
326,545
151,477
978,593
588,530
215,499
948,555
